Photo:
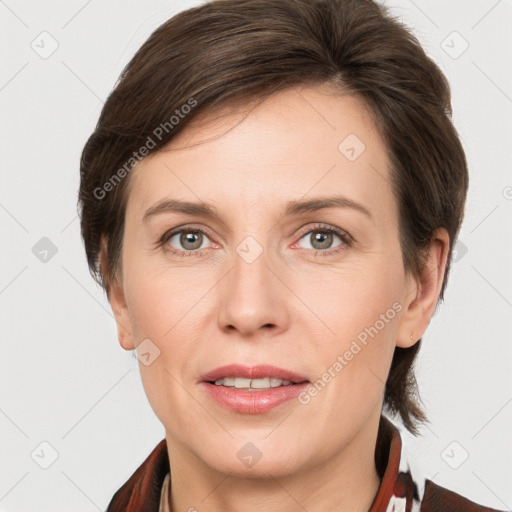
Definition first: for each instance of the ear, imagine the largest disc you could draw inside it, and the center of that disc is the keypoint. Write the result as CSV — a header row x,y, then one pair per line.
x,y
117,301
423,291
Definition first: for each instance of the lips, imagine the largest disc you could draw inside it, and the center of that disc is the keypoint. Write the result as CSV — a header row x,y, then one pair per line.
x,y
233,387
252,372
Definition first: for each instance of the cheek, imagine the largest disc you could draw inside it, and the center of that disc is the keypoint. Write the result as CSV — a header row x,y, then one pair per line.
x,y
349,299
361,313
161,298
161,309
167,307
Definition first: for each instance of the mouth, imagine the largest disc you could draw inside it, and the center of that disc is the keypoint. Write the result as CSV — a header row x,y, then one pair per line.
x,y
252,384
252,390
252,377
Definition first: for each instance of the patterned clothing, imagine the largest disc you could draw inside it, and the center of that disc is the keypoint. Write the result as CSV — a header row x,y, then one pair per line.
x,y
401,490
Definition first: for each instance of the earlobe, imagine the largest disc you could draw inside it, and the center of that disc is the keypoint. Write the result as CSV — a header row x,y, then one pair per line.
x,y
407,335
422,292
118,304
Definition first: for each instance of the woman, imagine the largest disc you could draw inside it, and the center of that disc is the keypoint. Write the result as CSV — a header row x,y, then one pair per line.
x,y
270,200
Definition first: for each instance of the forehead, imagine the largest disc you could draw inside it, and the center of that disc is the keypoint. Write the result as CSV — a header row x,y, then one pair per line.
x,y
301,141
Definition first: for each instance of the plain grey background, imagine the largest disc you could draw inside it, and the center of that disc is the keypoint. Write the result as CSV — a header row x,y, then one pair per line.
x,y
74,419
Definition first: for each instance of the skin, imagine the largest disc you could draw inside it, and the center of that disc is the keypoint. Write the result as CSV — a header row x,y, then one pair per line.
x,y
292,307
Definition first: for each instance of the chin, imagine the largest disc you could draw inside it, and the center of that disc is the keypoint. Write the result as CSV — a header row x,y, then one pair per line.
x,y
253,459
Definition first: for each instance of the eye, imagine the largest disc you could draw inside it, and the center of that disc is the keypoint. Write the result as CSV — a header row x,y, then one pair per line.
x,y
192,241
322,238
185,240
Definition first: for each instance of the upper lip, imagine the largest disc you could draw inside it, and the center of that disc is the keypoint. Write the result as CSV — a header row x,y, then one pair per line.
x,y
252,372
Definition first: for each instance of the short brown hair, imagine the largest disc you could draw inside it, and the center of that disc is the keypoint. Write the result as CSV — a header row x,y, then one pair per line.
x,y
227,51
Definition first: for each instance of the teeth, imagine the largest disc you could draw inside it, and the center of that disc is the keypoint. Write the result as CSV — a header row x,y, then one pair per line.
x,y
249,384
260,383
242,383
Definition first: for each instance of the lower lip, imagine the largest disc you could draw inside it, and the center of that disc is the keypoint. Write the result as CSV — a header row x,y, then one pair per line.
x,y
253,402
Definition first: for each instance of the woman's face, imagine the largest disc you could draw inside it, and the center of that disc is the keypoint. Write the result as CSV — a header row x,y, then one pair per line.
x,y
266,280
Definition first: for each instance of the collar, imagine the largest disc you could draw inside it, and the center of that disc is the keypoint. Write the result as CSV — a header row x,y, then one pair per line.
x,y
401,488
149,486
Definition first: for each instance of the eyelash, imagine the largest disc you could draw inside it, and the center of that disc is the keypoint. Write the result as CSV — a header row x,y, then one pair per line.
x,y
346,239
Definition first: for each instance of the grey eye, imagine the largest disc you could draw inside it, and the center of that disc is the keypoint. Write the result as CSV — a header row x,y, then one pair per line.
x,y
320,239
189,240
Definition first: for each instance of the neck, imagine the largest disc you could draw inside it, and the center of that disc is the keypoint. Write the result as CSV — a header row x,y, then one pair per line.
x,y
345,481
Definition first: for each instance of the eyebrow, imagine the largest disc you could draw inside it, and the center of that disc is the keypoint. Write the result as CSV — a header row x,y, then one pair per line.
x,y
296,207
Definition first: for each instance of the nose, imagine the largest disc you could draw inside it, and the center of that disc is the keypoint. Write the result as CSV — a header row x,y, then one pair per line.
x,y
252,298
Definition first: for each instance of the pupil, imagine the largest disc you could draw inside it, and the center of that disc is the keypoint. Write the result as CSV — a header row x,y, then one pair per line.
x,y
327,239
188,238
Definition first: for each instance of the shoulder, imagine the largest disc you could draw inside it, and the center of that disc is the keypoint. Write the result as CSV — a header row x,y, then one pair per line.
x,y
141,492
439,499
410,487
